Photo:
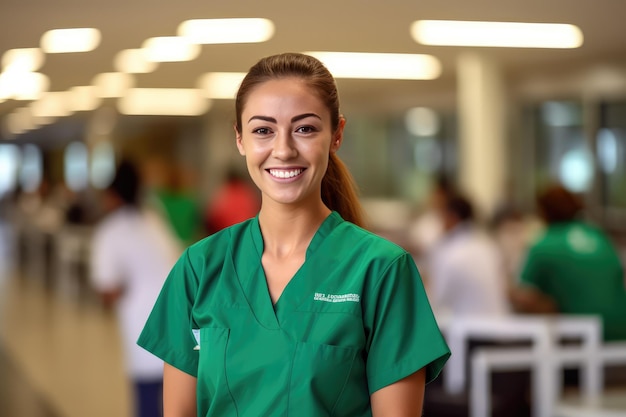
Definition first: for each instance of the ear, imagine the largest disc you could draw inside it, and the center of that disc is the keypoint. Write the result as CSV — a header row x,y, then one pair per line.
x,y
238,139
338,135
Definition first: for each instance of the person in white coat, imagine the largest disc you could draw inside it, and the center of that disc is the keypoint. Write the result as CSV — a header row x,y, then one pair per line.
x,y
132,253
466,271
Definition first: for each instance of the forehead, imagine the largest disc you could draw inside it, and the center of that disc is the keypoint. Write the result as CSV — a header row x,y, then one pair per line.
x,y
278,93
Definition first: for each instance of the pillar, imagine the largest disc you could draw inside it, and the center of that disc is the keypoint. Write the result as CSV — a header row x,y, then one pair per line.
x,y
482,131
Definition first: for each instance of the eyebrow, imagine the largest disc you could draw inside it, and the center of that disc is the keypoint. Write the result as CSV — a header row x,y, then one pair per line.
x,y
293,119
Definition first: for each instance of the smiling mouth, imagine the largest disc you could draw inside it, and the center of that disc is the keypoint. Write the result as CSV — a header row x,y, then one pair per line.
x,y
285,173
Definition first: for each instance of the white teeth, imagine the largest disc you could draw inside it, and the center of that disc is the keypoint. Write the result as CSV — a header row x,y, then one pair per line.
x,y
285,174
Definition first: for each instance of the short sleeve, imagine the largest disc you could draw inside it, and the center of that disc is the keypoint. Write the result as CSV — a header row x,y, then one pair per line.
x,y
168,331
105,266
403,335
533,269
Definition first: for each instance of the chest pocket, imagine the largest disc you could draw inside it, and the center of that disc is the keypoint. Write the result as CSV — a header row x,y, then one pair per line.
x,y
319,376
213,390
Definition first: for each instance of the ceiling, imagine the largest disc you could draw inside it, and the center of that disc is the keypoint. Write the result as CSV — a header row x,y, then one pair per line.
x,y
334,25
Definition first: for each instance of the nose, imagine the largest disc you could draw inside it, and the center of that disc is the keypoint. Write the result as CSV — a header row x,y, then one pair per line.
x,y
284,146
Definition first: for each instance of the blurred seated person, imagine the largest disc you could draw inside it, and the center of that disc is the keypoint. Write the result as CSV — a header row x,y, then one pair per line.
x,y
427,228
513,232
466,271
235,200
573,267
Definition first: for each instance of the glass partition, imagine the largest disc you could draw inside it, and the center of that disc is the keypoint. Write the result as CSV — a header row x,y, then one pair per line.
x,y
398,156
561,150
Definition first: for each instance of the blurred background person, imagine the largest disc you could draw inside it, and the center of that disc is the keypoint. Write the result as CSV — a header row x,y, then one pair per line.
x,y
427,228
234,201
466,272
513,231
132,253
573,267
170,191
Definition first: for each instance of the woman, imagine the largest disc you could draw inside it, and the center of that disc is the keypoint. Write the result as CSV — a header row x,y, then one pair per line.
x,y
297,311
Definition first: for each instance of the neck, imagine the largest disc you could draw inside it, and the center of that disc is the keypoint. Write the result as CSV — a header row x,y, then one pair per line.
x,y
289,230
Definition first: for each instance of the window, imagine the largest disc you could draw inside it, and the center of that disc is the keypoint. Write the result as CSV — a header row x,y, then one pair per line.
x,y
9,163
102,165
76,166
31,170
562,153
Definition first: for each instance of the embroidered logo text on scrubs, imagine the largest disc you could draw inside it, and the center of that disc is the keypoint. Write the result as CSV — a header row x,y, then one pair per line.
x,y
337,298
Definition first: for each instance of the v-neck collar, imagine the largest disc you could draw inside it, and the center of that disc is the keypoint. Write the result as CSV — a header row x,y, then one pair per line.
x,y
249,270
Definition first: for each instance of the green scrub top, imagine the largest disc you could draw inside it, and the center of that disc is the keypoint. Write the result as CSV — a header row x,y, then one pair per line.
x,y
577,265
353,319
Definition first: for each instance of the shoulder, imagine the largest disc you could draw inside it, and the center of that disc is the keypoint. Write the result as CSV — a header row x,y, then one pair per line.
x,y
370,259
369,244
113,226
214,248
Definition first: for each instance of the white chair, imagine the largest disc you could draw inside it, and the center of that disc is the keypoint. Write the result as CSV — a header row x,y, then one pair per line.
x,y
460,331
545,357
72,248
599,405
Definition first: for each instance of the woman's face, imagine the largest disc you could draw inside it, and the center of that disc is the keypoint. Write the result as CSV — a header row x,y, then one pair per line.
x,y
286,137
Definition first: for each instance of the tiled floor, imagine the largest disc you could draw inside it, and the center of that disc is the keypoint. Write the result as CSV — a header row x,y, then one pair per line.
x,y
59,356
17,396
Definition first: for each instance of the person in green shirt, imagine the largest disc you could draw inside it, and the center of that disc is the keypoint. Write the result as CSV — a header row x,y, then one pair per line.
x,y
573,268
298,311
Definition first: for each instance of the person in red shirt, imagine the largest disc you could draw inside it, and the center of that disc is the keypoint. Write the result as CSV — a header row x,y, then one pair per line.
x,y
235,201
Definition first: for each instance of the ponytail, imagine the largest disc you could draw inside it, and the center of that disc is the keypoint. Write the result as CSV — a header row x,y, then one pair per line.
x,y
339,192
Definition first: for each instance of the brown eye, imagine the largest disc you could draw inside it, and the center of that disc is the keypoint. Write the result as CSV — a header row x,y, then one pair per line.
x,y
261,131
305,129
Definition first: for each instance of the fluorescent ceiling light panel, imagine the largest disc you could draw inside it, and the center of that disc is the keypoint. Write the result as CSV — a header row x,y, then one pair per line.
x,y
220,84
133,61
212,31
52,104
70,40
112,84
83,98
6,86
23,85
21,120
22,60
496,34
163,102
170,49
380,65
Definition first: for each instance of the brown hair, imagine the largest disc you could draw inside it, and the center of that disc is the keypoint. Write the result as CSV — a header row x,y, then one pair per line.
x,y
558,205
339,191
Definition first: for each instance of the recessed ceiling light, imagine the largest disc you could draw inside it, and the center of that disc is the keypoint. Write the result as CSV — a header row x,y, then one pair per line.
x,y
380,65
83,98
170,49
212,31
496,34
52,104
133,61
23,85
20,120
163,102
422,121
220,84
112,84
22,59
70,40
